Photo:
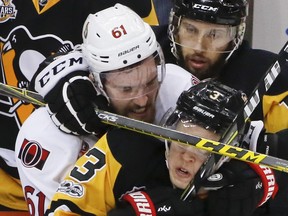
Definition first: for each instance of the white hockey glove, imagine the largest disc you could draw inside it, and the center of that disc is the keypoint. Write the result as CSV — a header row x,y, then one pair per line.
x,y
63,81
256,139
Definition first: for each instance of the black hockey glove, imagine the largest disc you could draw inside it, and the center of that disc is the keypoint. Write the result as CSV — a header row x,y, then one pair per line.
x,y
63,81
161,201
238,188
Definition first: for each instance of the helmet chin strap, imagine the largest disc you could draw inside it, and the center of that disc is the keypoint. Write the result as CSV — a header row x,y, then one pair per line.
x,y
238,39
99,85
173,47
231,53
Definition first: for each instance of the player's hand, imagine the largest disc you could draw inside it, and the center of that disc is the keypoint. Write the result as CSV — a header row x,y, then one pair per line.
x,y
63,81
238,188
258,140
161,201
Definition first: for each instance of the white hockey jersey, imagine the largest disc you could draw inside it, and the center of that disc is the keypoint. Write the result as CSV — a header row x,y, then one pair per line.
x,y
44,154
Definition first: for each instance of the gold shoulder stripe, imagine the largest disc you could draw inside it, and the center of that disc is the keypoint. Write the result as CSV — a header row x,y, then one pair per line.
x,y
152,18
49,4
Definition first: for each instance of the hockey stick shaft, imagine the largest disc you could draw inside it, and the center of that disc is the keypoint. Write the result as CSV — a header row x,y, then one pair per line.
x,y
259,91
187,139
164,133
22,94
253,101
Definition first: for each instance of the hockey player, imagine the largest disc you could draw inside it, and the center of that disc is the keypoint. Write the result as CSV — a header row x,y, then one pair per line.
x,y
230,59
30,32
127,68
207,40
127,170
219,52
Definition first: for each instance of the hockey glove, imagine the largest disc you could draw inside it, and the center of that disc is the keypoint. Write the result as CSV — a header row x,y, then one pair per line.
x,y
257,140
70,95
238,188
161,201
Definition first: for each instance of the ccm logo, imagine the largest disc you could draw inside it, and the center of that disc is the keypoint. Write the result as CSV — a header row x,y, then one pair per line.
x,y
57,67
205,7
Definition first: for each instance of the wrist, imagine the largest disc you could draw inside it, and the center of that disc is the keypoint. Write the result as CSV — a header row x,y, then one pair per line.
x,y
268,180
141,203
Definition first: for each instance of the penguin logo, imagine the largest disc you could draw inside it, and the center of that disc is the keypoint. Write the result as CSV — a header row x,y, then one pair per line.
x,y
20,59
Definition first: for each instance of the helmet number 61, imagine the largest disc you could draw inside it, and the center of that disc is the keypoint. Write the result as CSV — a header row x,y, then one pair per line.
x,y
117,32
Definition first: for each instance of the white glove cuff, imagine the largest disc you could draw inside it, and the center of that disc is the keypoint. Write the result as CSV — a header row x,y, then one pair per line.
x,y
253,133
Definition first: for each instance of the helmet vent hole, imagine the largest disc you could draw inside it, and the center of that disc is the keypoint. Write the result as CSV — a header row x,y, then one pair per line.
x,y
125,62
138,56
149,41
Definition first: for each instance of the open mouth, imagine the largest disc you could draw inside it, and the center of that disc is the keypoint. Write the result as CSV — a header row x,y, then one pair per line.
x,y
197,62
183,173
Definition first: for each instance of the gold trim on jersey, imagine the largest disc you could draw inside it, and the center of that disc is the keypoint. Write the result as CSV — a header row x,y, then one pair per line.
x,y
11,195
152,17
49,4
91,175
275,112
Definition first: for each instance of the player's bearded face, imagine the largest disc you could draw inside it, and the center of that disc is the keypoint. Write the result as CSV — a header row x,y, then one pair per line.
x,y
184,161
133,91
203,46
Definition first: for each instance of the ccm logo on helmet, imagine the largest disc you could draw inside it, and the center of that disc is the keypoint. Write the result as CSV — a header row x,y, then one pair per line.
x,y
205,7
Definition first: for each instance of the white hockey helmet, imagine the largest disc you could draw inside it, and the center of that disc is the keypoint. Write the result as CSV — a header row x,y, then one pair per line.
x,y
116,38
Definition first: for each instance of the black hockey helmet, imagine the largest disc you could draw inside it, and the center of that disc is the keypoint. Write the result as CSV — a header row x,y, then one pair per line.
x,y
209,104
231,13
224,12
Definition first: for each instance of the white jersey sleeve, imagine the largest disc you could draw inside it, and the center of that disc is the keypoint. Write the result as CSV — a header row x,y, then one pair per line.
x,y
175,82
44,155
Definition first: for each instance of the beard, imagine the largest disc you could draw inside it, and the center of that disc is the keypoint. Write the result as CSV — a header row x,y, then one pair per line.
x,y
212,71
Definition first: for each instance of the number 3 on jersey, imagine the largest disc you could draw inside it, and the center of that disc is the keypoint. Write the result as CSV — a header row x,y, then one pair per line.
x,y
94,160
